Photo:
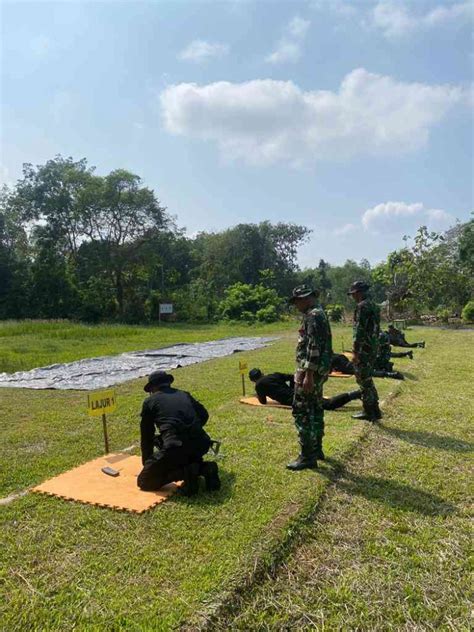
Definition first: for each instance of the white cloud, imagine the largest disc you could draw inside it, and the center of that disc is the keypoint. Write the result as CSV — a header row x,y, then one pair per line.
x,y
397,217
289,46
285,51
265,121
396,20
200,50
298,27
345,230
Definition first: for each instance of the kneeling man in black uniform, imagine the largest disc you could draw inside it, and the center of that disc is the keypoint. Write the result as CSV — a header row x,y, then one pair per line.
x,y
281,388
181,441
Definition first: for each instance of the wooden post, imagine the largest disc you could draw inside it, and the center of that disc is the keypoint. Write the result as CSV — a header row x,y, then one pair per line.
x,y
106,437
243,385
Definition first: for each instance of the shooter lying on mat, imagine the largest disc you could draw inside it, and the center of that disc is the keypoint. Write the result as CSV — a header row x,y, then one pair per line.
x,y
281,387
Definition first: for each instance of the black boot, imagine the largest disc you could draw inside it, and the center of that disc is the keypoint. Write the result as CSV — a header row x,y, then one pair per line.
x,y
354,395
191,480
369,414
303,462
210,471
318,453
395,375
410,355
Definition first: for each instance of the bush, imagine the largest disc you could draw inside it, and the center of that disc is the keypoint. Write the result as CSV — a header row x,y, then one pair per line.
x,y
443,314
335,312
267,314
467,313
249,302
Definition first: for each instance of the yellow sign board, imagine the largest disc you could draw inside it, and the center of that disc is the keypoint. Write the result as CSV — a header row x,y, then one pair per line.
x,y
243,367
101,402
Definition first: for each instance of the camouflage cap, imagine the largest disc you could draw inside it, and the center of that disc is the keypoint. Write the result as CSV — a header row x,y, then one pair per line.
x,y
302,291
359,286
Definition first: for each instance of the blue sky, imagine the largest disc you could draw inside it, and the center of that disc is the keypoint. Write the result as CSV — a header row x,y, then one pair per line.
x,y
353,118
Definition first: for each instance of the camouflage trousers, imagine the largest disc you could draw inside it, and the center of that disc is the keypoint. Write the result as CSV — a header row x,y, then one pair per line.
x,y
363,374
308,414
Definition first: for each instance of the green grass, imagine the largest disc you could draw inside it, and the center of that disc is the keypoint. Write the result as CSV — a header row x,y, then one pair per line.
x,y
28,344
70,566
66,565
390,547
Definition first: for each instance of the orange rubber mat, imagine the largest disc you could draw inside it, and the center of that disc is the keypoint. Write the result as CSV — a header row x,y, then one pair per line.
x,y
88,484
253,401
337,374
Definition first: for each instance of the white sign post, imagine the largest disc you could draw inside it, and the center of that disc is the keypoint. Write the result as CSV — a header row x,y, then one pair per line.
x,y
164,308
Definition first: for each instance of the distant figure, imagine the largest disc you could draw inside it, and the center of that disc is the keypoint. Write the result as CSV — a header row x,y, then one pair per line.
x,y
366,331
385,353
397,339
342,364
313,359
181,440
281,388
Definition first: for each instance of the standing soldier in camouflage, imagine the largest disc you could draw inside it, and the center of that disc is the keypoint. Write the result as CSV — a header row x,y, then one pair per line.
x,y
365,348
313,360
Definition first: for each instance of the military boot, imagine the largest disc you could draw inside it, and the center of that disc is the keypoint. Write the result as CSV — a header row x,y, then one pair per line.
x,y
372,413
410,355
210,471
318,453
191,480
395,375
354,395
305,461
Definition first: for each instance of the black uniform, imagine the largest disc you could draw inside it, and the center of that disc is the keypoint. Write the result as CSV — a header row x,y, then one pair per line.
x,y
281,388
342,364
181,442
277,386
397,339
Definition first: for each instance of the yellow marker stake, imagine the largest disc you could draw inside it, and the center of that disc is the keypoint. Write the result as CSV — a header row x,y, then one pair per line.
x,y
243,369
98,404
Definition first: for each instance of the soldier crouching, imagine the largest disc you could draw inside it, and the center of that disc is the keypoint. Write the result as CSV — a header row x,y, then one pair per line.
x,y
181,441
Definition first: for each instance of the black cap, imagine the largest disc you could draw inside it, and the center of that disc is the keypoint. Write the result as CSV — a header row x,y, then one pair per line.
x,y
302,291
254,374
158,378
359,286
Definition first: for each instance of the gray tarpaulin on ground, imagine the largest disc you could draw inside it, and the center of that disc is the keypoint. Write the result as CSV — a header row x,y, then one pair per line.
x,y
94,373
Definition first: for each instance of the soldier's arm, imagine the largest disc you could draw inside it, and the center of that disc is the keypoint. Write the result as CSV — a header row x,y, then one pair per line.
x,y
262,398
360,335
312,355
290,378
200,410
147,433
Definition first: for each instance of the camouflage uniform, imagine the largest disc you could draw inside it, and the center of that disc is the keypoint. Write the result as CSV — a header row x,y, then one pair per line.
x,y
365,344
384,354
313,352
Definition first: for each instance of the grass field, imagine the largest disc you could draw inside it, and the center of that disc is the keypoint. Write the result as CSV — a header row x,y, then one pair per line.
x,y
28,344
70,566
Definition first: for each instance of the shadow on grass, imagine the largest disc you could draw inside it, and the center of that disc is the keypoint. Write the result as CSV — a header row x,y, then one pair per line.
x,y
410,376
429,439
389,492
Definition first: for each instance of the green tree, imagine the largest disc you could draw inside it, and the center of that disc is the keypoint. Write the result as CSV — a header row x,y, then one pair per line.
x,y
243,301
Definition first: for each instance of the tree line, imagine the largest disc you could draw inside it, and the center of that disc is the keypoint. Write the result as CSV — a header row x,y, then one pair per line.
x,y
74,244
